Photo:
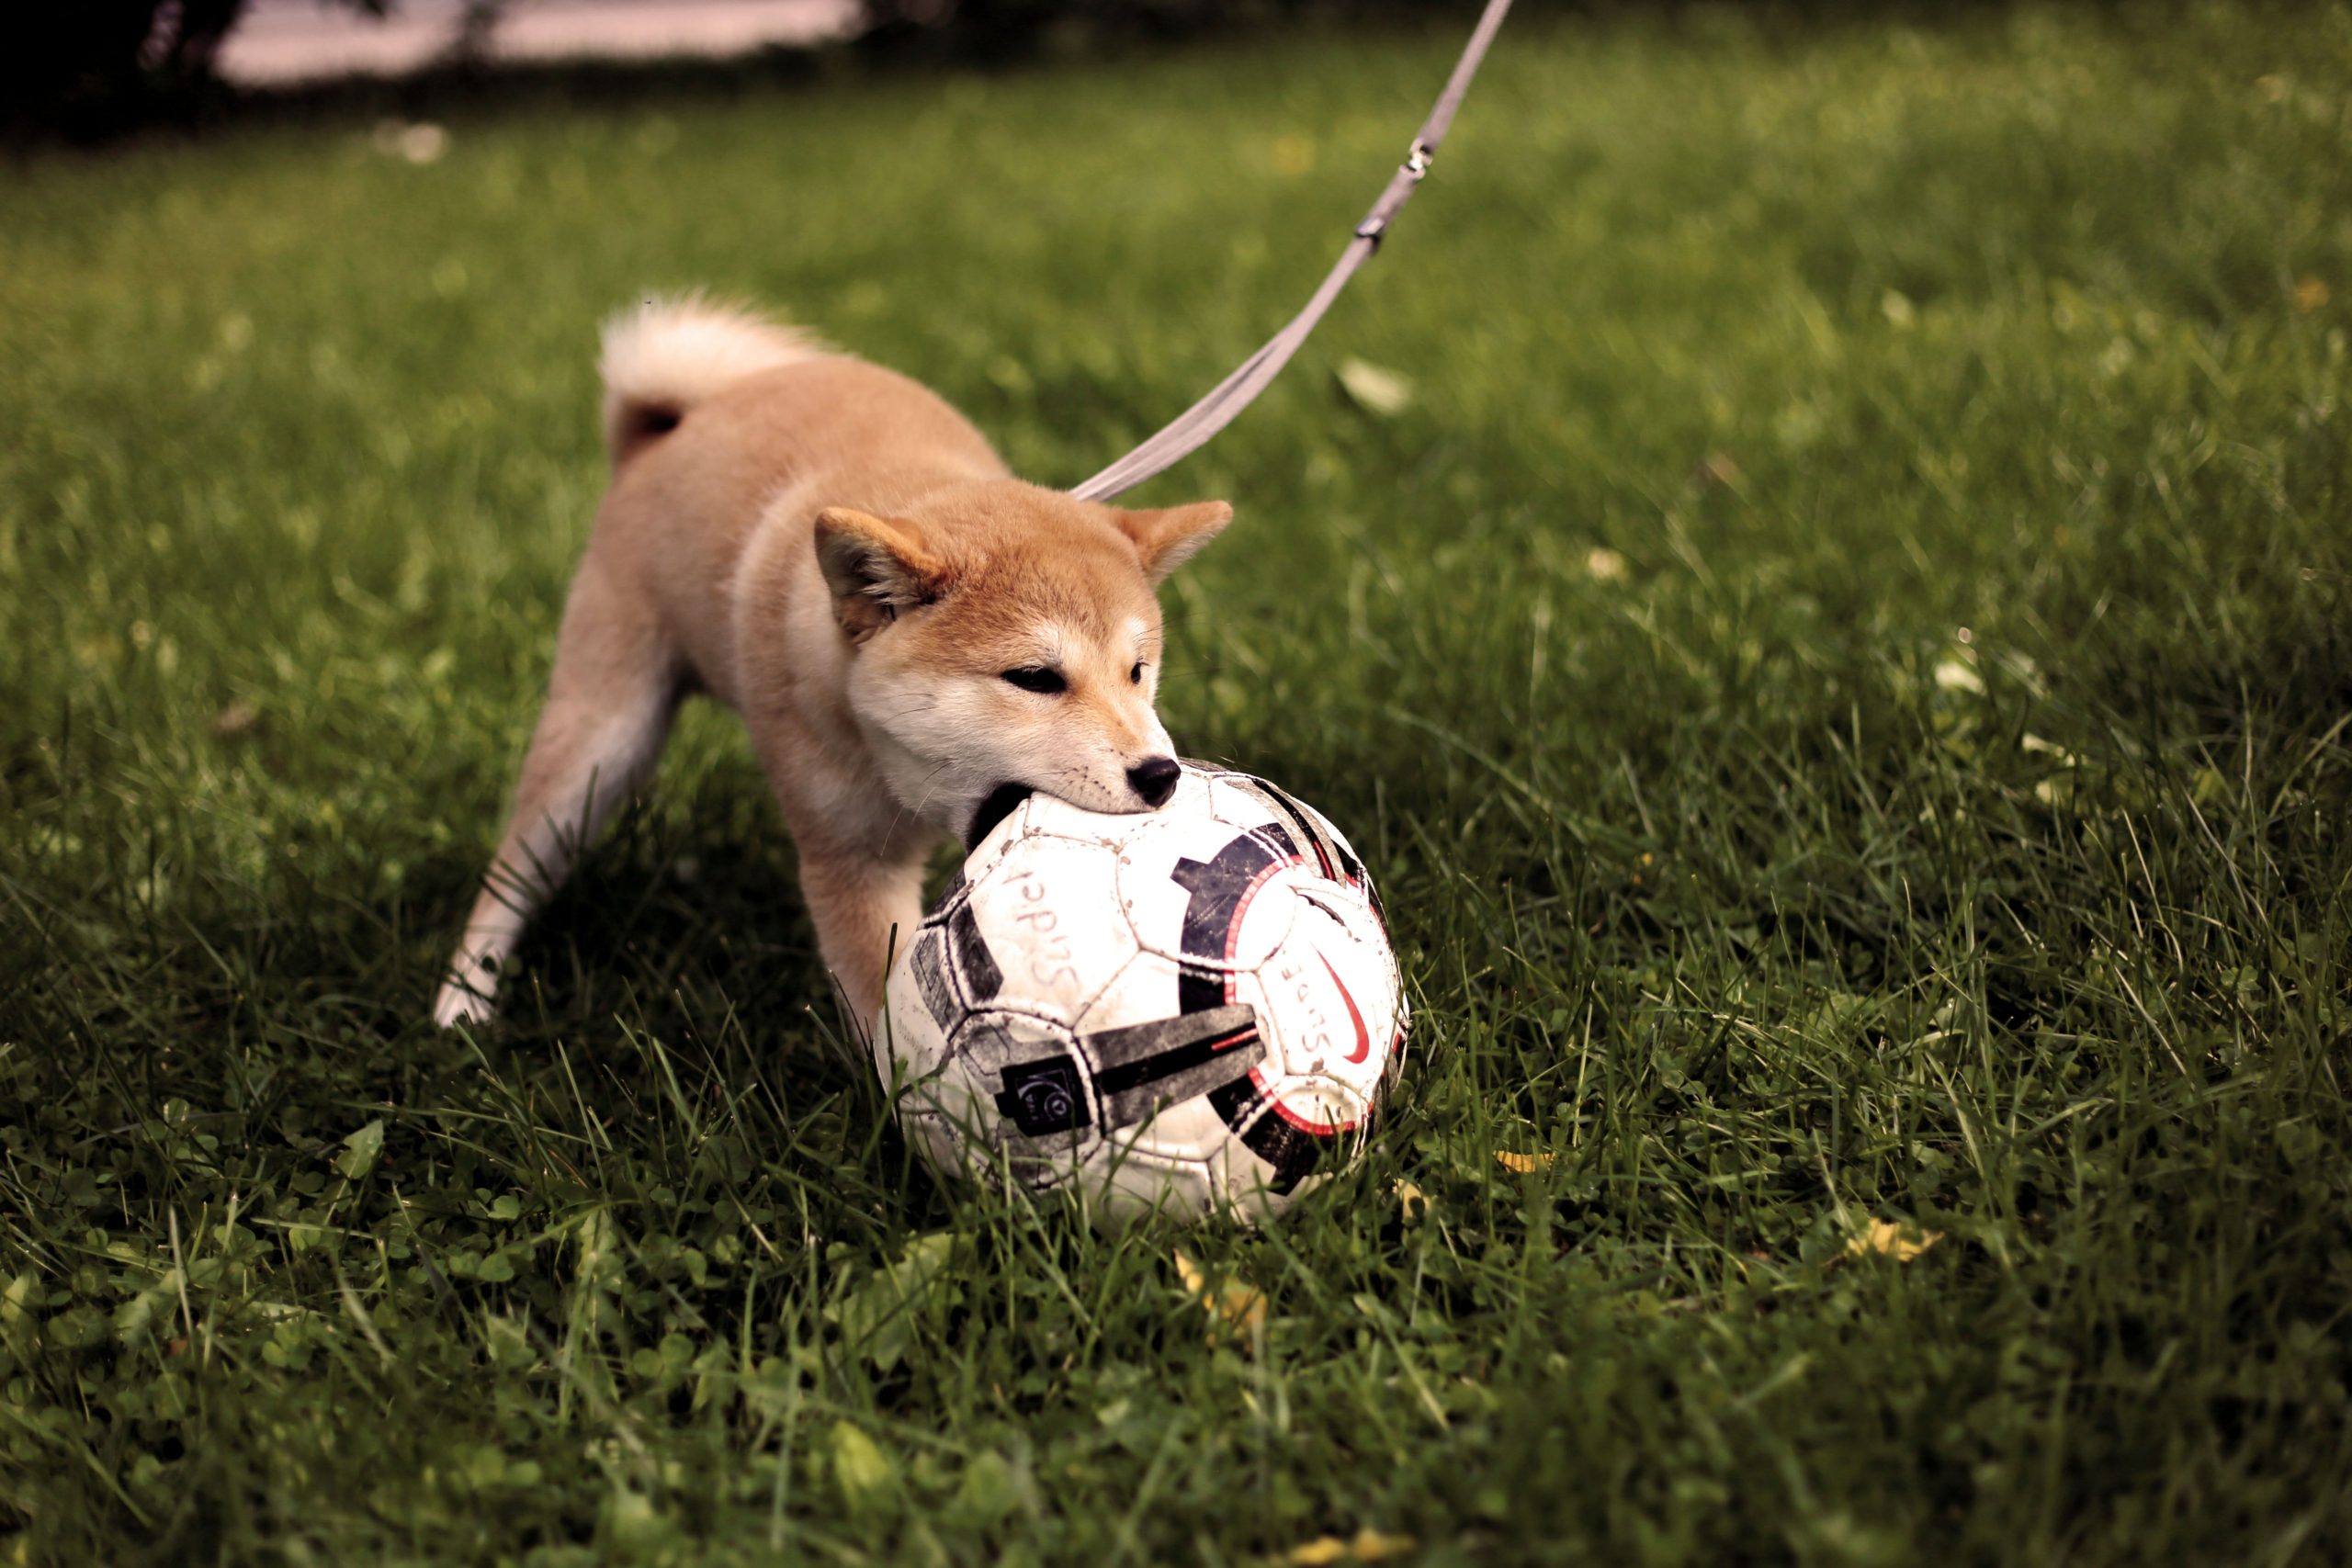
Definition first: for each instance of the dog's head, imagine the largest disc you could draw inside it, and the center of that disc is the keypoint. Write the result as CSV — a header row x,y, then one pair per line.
x,y
1009,636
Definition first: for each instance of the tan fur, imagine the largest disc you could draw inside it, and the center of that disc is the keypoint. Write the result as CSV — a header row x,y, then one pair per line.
x,y
829,549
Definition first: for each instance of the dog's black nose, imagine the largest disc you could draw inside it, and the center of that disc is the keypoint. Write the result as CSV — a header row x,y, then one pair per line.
x,y
1154,779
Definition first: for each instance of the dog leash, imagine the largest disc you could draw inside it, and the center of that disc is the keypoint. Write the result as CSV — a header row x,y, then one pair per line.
x,y
1189,431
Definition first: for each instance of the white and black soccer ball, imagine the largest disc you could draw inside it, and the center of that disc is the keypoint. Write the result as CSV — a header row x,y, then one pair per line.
x,y
1185,1010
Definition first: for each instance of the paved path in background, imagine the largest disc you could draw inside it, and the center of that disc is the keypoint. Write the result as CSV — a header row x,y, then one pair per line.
x,y
279,42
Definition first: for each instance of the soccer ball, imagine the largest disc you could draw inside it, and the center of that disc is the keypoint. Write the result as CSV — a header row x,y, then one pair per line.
x,y
1182,1011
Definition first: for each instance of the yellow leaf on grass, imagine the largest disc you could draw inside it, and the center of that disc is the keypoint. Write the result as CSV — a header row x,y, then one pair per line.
x,y
1236,1308
2058,790
1510,1159
2310,294
1885,1239
1410,1199
1955,674
1190,1272
1367,1546
1376,388
1605,565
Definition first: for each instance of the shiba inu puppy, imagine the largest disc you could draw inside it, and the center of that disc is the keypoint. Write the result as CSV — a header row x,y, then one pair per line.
x,y
906,629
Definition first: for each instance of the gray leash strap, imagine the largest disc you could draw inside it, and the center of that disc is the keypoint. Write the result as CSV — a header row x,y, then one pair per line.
x,y
1189,431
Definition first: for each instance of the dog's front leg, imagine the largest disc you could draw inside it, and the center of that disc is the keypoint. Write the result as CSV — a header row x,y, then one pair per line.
x,y
865,911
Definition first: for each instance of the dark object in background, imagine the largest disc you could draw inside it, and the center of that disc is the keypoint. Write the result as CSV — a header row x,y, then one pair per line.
x,y
98,67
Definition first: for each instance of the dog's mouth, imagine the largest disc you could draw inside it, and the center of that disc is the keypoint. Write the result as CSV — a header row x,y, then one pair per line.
x,y
999,804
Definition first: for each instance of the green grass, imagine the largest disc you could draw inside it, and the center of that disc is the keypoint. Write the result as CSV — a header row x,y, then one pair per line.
x,y
1844,672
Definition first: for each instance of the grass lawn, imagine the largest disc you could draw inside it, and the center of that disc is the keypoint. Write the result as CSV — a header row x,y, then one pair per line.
x,y
1843,670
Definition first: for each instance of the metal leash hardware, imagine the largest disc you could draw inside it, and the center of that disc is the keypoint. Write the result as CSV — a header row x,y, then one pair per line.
x,y
1416,167
1191,430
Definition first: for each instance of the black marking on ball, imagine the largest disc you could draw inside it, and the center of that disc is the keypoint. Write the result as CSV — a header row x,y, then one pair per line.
x,y
953,896
1327,854
932,979
1198,990
1142,1067
1294,1152
1218,886
1044,1096
982,978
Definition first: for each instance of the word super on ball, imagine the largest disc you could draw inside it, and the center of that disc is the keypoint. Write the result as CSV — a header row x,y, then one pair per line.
x,y
1187,1011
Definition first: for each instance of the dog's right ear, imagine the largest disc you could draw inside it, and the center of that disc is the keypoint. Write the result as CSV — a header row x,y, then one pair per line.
x,y
1168,537
877,567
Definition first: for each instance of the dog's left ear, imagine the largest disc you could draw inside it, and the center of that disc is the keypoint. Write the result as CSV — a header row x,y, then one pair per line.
x,y
877,567
1169,535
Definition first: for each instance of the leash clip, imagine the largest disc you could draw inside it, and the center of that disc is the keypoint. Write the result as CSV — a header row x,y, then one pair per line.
x,y
1417,159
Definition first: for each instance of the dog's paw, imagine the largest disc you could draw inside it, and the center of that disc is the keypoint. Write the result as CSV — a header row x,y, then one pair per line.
x,y
457,1002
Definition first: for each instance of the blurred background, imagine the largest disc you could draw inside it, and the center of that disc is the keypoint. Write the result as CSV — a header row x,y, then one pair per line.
x,y
99,69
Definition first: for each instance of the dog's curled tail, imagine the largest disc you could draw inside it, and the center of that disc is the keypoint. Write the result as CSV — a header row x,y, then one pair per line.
x,y
668,355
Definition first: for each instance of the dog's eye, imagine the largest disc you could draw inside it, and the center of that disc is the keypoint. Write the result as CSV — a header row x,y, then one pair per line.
x,y
1135,676
1037,678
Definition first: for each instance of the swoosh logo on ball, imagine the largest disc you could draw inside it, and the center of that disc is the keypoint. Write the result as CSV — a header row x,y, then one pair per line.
x,y
1363,1035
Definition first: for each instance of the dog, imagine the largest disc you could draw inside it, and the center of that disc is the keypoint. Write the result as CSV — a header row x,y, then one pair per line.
x,y
908,631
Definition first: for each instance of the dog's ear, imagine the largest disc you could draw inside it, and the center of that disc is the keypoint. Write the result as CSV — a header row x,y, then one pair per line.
x,y
1168,536
877,567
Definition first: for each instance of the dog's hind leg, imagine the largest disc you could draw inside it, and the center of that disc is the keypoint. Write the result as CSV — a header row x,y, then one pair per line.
x,y
614,691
